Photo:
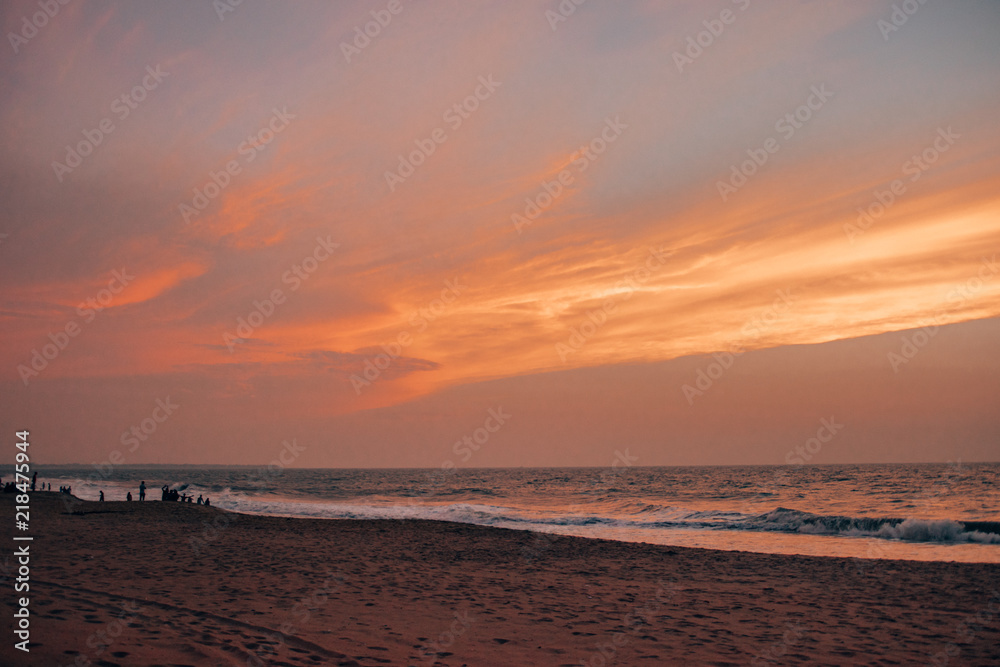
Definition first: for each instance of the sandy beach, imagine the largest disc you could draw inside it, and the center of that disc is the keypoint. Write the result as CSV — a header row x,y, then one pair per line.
x,y
157,583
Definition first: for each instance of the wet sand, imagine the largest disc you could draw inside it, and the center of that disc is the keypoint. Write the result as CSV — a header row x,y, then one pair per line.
x,y
156,583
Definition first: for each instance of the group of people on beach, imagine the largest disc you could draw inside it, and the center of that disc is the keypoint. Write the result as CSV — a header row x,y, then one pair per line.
x,y
11,487
173,495
168,493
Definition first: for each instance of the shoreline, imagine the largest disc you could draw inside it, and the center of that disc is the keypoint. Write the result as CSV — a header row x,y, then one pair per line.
x,y
172,583
872,536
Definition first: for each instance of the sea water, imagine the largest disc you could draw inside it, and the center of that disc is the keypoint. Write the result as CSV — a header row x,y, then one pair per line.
x,y
947,512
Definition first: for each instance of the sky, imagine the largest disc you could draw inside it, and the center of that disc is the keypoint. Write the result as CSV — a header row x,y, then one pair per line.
x,y
500,234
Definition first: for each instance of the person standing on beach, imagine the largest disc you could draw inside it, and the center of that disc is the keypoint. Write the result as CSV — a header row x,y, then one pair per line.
x,y
102,497
34,478
142,490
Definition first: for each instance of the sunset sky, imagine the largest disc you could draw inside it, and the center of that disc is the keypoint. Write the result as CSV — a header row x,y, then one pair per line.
x,y
292,229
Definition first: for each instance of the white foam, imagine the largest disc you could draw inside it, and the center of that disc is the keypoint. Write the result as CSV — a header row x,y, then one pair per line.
x,y
917,530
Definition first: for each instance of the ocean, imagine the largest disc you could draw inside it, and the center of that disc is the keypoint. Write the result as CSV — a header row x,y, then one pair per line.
x,y
943,512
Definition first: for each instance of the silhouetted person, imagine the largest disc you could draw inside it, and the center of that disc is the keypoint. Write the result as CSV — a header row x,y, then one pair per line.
x,y
166,492
34,478
142,490
129,497
208,503
200,501
102,497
